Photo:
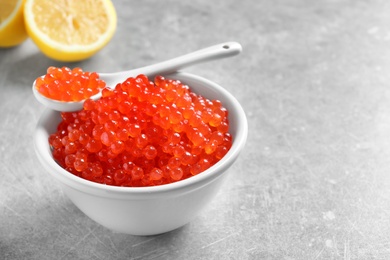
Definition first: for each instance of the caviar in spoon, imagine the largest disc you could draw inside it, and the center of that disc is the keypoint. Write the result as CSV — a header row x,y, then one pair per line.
x,y
69,85
111,79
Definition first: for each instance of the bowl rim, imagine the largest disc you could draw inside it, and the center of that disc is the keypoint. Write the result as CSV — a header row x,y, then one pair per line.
x,y
239,140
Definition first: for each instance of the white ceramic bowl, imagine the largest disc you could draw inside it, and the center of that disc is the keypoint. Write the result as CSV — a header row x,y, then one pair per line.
x,y
147,210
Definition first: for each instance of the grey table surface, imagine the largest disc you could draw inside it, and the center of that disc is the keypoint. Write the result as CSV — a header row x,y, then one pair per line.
x,y
313,181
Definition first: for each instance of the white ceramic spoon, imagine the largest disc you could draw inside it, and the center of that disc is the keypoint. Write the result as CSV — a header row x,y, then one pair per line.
x,y
207,54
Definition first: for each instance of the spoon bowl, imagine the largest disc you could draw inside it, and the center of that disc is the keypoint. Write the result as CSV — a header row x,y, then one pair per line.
x,y
215,52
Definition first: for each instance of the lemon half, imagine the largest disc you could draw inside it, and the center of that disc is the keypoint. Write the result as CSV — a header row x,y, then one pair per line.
x,y
70,30
12,30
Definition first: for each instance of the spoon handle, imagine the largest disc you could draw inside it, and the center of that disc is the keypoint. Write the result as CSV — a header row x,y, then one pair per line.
x,y
218,51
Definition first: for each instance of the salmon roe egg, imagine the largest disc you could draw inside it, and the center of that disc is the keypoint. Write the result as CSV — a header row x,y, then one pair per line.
x,y
142,133
65,84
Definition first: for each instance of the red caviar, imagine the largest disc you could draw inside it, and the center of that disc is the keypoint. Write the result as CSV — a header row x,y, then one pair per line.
x,y
142,133
65,84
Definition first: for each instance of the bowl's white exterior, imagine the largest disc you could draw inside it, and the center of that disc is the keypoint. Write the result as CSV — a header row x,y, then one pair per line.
x,y
147,210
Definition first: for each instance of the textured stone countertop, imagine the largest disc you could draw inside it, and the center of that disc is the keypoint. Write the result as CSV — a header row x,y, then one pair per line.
x,y
313,181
